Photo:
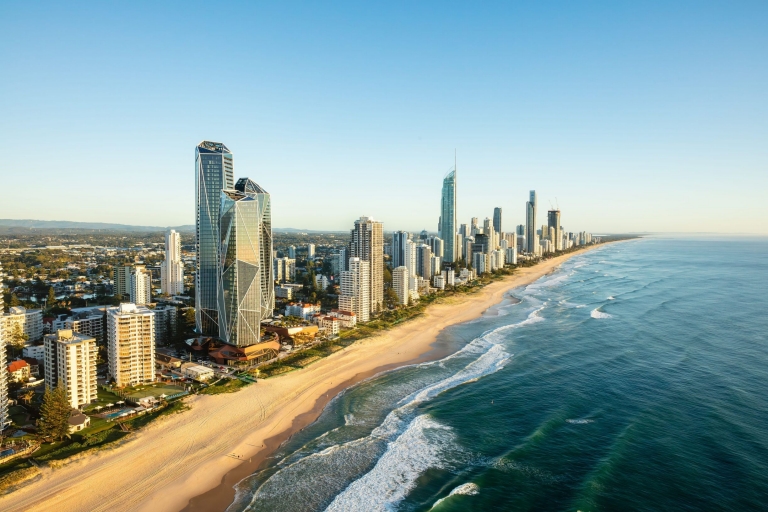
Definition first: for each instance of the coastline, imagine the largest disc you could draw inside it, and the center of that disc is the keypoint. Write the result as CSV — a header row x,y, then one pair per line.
x,y
192,460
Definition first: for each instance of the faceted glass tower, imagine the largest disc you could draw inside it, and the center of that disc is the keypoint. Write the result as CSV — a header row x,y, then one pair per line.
x,y
448,217
246,285
214,172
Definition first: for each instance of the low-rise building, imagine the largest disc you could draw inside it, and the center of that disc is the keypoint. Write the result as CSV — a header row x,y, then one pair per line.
x,y
196,372
347,319
19,371
88,323
330,325
35,351
284,292
78,421
302,310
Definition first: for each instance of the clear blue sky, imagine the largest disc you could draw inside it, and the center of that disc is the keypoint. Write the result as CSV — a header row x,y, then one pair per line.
x,y
634,115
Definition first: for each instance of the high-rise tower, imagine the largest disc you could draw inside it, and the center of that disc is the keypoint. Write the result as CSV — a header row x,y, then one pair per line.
x,y
172,270
367,243
448,226
553,221
531,245
4,419
214,172
497,219
399,239
246,294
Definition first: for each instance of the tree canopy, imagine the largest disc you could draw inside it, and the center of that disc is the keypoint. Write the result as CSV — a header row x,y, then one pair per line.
x,y
54,413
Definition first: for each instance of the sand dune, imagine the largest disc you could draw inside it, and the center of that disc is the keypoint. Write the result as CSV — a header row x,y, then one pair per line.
x,y
175,459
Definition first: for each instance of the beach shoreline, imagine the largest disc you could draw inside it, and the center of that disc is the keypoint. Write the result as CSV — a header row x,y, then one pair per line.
x,y
191,460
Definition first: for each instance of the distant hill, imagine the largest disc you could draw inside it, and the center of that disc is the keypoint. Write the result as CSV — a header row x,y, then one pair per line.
x,y
16,225
66,224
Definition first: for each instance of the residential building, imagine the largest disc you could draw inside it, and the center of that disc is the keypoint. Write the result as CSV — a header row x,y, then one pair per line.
x,y
70,359
246,282
347,319
321,282
553,221
26,321
131,344
292,252
165,324
285,270
449,277
302,310
134,283
214,172
366,243
401,285
399,242
424,261
438,246
481,262
439,282
172,269
197,372
530,223
497,219
330,325
511,255
34,352
19,371
283,292
435,265
310,250
356,290
88,323
447,224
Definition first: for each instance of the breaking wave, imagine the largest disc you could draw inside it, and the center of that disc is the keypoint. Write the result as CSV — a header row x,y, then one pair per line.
x,y
468,489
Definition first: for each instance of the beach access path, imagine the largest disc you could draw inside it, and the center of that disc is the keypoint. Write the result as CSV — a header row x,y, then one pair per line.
x,y
161,467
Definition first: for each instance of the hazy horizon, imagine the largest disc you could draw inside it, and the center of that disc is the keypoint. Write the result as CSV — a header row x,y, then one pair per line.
x,y
633,118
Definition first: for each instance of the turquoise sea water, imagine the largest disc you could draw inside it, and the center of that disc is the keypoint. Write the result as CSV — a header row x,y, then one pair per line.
x,y
633,378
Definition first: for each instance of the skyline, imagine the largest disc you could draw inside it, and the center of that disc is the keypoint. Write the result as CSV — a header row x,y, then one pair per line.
x,y
633,118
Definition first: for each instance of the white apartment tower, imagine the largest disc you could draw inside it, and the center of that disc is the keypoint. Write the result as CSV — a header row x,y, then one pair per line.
x,y
356,290
172,269
367,243
135,282
401,285
131,344
70,358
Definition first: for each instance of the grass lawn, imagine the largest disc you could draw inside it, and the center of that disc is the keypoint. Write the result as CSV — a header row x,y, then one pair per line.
x,y
102,398
225,386
143,391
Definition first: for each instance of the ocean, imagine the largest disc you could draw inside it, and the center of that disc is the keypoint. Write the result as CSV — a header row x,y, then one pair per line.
x,y
635,377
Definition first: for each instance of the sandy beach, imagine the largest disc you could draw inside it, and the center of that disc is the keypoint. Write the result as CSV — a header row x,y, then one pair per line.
x,y
223,438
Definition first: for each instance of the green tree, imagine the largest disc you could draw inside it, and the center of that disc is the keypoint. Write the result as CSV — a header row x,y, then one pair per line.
x,y
16,337
54,413
14,301
51,298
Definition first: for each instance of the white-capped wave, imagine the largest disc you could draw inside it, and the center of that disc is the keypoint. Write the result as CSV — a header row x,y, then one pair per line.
x,y
417,449
611,298
579,421
596,313
468,489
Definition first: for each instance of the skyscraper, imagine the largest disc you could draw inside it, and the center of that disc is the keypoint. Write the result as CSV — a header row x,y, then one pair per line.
x,y
367,243
214,172
531,244
553,220
134,282
399,239
497,219
355,289
246,294
310,250
172,270
448,217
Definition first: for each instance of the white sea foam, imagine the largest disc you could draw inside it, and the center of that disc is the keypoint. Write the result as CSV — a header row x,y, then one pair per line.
x,y
596,313
580,421
417,449
468,489
611,298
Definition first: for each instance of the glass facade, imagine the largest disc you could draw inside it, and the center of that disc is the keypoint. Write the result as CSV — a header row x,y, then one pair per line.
x,y
214,172
448,217
530,223
246,284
